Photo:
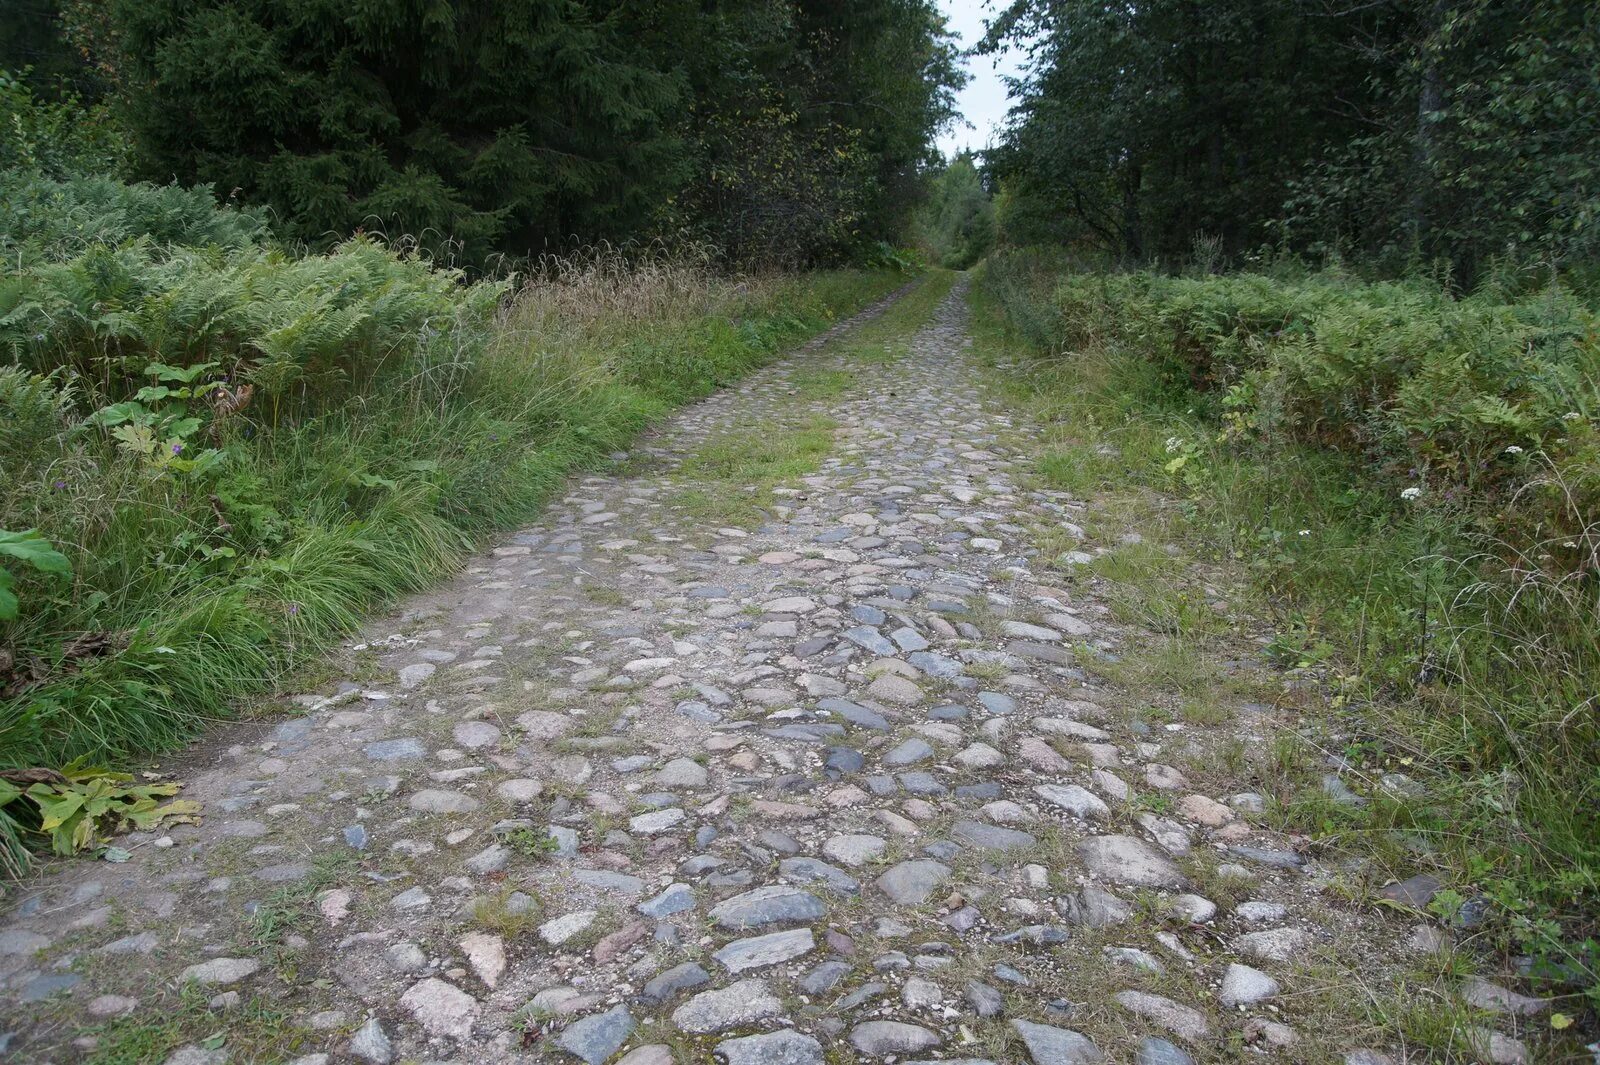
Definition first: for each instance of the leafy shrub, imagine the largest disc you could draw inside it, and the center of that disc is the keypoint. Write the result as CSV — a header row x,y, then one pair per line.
x,y
1412,481
61,137
1429,389
242,451
304,331
44,219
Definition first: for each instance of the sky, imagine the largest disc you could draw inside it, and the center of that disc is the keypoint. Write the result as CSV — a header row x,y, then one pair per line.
x,y
983,102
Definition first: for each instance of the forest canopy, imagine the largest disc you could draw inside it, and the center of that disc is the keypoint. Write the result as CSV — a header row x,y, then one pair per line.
x,y
777,130
1395,130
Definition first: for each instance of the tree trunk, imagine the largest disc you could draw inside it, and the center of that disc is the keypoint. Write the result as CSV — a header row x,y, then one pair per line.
x,y
1430,100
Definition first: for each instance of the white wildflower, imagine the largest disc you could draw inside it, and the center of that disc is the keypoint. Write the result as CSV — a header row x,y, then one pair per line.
x,y
1410,493
1572,416
1305,532
1513,450
1174,443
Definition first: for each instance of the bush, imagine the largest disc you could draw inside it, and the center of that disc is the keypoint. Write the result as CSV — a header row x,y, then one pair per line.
x,y
1412,481
1432,391
241,451
55,137
44,220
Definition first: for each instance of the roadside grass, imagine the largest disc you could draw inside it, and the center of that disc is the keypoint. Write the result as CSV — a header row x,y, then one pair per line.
x,y
203,594
1400,656
254,1032
728,480
888,337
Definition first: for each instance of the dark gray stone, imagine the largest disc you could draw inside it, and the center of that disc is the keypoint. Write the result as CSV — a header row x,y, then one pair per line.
x,y
776,904
595,1039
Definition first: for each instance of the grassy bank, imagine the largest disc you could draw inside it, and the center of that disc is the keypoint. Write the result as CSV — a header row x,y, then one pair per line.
x,y
1408,482
241,452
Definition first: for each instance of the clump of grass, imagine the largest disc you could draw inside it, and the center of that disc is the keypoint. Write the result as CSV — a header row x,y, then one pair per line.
x,y
1449,636
497,914
361,470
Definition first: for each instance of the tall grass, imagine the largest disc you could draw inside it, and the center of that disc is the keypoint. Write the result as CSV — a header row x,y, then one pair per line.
x,y
195,586
1429,541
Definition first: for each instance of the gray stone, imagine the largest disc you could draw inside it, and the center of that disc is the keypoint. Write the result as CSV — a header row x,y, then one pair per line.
x,y
854,849
777,904
433,801
675,980
786,1047
883,1038
406,957
990,837
676,898
1129,861
143,943
18,942
649,1054
42,987
770,949
371,1043
442,1009
400,750
656,821
997,703
985,1001
1274,944
197,1055
413,675
912,882
920,783
824,978
844,760
734,1006
410,899
1485,995
1272,858
595,1039
909,752
682,773
1244,986
220,971
1184,1021
808,870
1077,801
1414,892
492,859
606,880
1153,1051
475,734
855,713
871,639
558,930
1048,1045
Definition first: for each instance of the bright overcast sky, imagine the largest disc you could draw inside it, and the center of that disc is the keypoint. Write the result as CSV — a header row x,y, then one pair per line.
x,y
983,102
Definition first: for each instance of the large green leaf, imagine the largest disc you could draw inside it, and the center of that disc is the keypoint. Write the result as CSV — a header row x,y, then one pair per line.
x,y
32,548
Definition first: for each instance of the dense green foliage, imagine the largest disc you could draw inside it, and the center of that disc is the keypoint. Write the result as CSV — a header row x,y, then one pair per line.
x,y
784,130
239,451
45,220
1411,130
59,137
1412,481
956,223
